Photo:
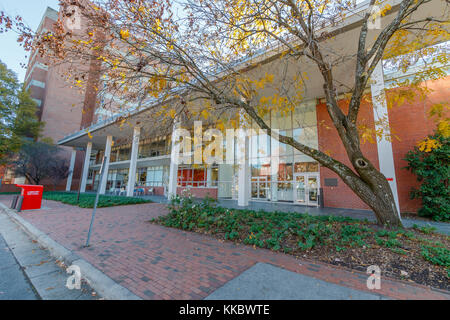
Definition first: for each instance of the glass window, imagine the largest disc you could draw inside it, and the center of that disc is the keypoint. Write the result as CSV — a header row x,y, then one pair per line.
x,y
214,176
283,123
305,125
113,156
141,176
305,115
301,167
153,149
151,176
197,177
124,154
99,157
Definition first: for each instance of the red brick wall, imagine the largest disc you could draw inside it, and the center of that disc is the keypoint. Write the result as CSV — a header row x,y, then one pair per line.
x,y
329,142
158,191
200,192
410,122
9,188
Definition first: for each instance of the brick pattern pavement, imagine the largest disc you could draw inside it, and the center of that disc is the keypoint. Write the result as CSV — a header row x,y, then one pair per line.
x,y
155,262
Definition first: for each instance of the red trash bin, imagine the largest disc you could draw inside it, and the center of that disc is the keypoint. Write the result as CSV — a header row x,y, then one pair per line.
x,y
32,196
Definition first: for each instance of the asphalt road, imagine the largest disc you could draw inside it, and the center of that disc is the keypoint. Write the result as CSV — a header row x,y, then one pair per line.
x,y
14,285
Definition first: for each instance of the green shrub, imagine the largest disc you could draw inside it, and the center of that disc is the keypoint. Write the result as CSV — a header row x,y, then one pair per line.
x,y
432,168
260,228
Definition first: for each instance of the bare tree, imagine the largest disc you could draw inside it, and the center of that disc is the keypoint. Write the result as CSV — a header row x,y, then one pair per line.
x,y
59,171
38,161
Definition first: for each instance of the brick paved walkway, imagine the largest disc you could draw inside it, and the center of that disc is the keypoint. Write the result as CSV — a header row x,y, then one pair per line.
x,y
155,262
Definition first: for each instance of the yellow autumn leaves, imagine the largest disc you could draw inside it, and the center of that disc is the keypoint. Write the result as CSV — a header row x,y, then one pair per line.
x,y
125,34
429,145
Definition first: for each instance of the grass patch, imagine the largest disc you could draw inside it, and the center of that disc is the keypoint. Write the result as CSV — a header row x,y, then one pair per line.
x,y
87,200
337,240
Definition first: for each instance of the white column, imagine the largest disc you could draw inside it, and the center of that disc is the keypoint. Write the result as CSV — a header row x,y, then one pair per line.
x,y
244,168
133,162
71,167
381,117
87,159
209,177
106,164
173,169
275,163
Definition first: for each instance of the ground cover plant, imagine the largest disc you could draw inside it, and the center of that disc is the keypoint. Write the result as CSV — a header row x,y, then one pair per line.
x,y
87,200
418,254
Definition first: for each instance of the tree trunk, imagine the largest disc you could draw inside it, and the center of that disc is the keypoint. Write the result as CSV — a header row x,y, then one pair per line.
x,y
377,194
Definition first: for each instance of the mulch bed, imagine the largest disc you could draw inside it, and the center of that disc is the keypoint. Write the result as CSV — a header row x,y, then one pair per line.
x,y
409,265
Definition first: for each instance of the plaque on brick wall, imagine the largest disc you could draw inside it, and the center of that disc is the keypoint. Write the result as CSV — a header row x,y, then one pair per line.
x,y
331,182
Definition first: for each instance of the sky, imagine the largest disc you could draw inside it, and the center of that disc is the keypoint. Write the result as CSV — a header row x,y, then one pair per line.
x,y
11,53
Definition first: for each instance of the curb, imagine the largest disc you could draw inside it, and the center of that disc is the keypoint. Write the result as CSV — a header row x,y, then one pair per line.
x,y
104,285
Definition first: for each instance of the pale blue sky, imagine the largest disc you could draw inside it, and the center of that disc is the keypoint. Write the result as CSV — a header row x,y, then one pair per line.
x,y
31,11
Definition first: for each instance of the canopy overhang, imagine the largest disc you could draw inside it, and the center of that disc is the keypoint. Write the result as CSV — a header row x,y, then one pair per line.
x,y
343,44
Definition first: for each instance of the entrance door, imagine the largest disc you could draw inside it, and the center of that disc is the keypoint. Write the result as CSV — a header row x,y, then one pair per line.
x,y
306,191
300,189
260,188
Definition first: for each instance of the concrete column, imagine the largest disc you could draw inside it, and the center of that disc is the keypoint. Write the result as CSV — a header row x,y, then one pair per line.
x,y
133,162
71,167
381,117
106,164
87,159
244,168
209,177
275,163
173,169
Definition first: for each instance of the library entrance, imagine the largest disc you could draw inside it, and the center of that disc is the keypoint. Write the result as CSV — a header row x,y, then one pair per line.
x,y
306,189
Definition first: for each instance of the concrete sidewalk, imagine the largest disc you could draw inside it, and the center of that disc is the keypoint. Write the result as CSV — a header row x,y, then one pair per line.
x,y
29,272
14,284
267,282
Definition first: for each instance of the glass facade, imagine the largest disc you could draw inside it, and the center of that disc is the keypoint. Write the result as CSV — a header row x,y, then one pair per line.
x,y
153,149
274,166
278,172
198,177
118,178
152,177
275,178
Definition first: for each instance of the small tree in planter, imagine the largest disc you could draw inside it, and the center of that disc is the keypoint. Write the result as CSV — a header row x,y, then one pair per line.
x,y
430,162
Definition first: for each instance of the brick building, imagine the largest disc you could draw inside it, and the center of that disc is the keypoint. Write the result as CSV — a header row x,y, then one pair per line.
x,y
63,108
139,156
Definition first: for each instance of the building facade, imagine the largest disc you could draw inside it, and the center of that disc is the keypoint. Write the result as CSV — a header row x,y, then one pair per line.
x,y
61,107
142,159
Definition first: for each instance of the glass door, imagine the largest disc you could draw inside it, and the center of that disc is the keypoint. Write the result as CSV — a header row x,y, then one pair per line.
x,y
306,191
313,190
300,189
260,188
